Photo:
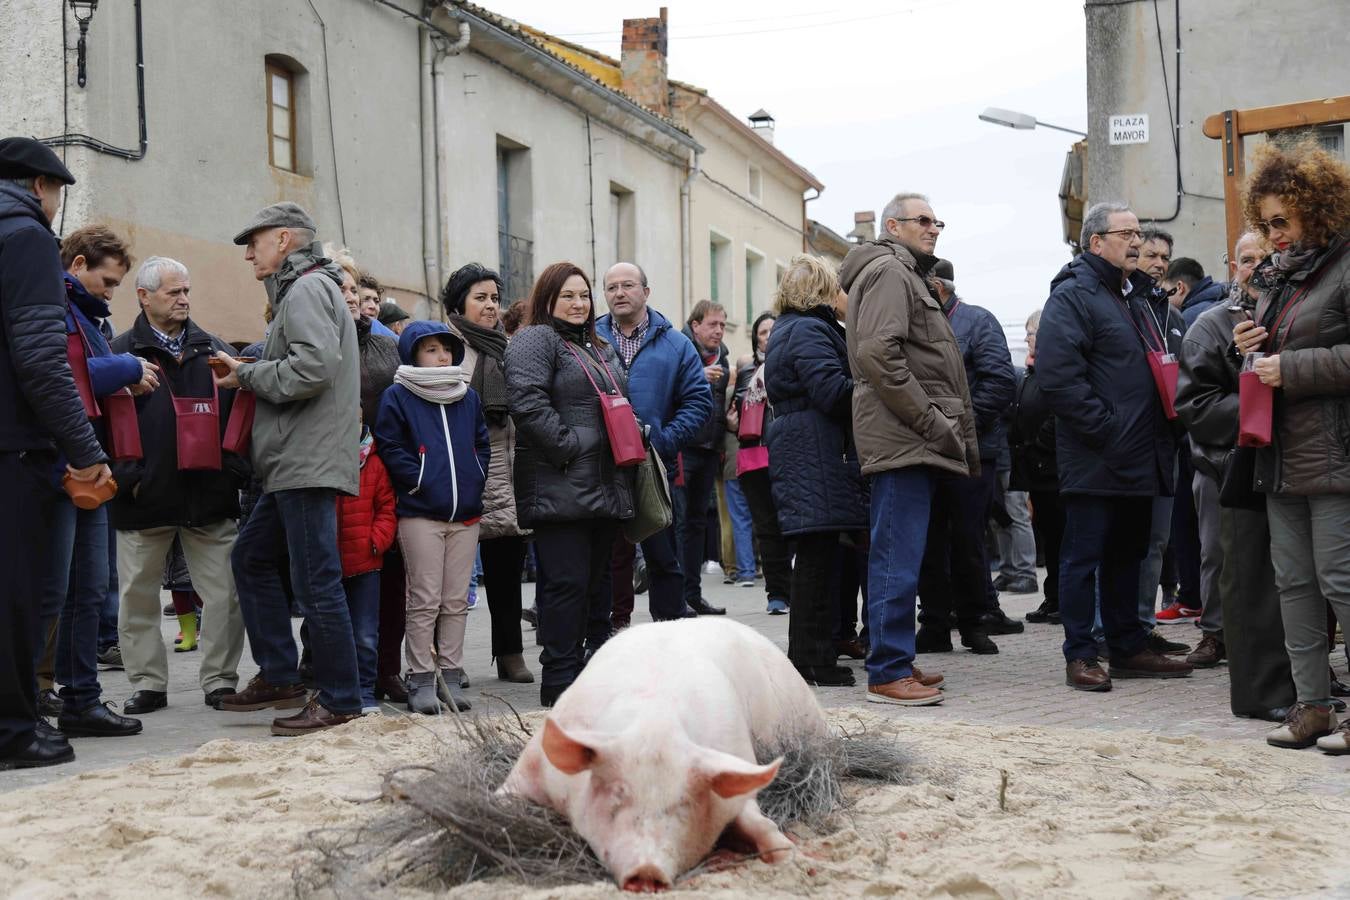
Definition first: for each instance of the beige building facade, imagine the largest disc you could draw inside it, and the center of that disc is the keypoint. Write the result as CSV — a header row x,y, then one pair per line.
x,y
420,142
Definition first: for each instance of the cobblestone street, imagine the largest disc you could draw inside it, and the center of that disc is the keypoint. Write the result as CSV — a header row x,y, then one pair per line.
x,y
1023,685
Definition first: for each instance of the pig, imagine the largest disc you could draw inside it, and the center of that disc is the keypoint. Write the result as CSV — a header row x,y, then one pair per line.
x,y
650,754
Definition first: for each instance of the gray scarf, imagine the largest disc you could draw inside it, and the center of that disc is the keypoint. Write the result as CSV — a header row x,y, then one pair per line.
x,y
435,384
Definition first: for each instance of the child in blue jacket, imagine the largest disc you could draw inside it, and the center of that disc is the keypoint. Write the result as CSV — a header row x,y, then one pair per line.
x,y
433,439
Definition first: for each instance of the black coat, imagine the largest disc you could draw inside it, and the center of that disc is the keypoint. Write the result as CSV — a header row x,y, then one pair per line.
x,y
379,362
1111,436
151,491
813,465
564,469
989,372
1031,437
38,401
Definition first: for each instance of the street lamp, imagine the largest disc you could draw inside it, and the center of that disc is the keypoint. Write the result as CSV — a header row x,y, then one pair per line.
x,y
87,7
1021,121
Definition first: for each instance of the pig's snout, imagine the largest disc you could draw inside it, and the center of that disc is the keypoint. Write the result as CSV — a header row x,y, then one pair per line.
x,y
645,879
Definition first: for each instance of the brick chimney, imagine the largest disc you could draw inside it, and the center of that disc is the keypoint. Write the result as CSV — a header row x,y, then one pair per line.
x,y
864,226
643,62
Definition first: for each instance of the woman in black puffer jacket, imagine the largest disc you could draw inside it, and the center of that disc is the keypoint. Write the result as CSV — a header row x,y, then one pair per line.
x,y
567,486
813,466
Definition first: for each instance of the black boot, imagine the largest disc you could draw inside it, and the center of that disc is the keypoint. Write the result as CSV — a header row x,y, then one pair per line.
x,y
932,640
827,676
97,721
977,642
997,622
1046,613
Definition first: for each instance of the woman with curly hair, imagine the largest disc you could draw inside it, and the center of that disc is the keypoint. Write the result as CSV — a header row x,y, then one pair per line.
x,y
1299,198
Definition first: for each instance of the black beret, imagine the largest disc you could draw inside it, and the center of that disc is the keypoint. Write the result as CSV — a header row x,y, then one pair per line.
x,y
22,157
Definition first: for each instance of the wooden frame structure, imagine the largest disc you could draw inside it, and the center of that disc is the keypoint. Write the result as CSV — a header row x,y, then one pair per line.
x,y
1231,126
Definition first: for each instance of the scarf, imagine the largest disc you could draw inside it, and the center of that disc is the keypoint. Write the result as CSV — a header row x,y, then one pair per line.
x,y
1282,266
443,384
489,378
367,444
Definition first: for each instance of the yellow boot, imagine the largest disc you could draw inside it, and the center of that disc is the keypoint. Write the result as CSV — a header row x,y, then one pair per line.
x,y
187,636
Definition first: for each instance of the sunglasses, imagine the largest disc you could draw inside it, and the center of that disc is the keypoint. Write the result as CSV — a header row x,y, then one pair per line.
x,y
925,222
1279,223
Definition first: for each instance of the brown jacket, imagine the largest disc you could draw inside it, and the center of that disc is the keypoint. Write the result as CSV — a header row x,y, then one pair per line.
x,y
911,404
1311,450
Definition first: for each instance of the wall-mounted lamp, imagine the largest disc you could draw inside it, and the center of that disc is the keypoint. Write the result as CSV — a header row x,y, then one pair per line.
x,y
84,11
1020,121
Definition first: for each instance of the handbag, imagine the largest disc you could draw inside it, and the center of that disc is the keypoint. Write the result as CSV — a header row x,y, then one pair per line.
x,y
1163,365
239,427
652,509
78,354
1236,489
625,441
123,426
1256,411
198,431
752,459
752,420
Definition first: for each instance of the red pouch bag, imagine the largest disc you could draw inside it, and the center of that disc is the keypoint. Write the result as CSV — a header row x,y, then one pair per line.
x,y
124,428
79,367
239,427
1165,369
198,428
752,421
1256,411
625,441
751,459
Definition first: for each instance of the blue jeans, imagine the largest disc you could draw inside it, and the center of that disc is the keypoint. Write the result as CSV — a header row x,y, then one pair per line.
x,y
302,525
742,529
77,583
363,604
901,501
1105,540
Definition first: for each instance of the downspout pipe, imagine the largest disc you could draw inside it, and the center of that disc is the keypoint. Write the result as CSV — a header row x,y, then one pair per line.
x,y
430,197
687,238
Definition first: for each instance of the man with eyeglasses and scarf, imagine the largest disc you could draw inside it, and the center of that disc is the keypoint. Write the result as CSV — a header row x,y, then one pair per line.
x,y
1115,444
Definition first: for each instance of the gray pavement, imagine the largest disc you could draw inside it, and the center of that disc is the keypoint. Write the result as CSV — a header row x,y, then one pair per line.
x,y
1023,685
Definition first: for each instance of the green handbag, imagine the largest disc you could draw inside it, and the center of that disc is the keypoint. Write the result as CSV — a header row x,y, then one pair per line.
x,y
652,509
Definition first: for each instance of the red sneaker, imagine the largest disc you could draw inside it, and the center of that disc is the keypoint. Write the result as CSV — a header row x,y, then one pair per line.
x,y
1176,613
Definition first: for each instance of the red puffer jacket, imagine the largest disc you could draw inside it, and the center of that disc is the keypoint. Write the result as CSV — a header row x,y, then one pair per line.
x,y
366,523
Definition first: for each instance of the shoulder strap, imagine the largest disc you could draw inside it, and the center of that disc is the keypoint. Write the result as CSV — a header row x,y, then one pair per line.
x,y
586,369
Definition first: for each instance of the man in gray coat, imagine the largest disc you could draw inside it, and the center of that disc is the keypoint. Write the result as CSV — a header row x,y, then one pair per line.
x,y
305,448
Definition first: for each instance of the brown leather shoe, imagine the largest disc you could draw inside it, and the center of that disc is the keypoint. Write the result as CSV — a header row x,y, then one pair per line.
x,y
904,692
1148,664
852,648
1208,653
1302,727
314,717
928,679
1086,675
261,695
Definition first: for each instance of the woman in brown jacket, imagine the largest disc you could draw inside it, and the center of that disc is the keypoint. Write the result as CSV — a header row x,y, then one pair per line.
x,y
1299,199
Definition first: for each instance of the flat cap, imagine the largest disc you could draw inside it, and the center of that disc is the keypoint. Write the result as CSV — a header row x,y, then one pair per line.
x,y
391,312
943,269
278,215
22,157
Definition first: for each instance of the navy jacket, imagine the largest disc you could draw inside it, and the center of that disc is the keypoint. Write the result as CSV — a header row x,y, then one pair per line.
x,y
1111,437
813,465
1205,294
665,385
989,372
39,404
436,453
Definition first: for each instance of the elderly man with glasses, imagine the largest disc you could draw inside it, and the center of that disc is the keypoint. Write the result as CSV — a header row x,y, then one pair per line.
x,y
1105,371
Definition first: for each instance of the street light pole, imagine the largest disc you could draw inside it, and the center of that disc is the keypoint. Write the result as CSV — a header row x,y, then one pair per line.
x,y
1021,121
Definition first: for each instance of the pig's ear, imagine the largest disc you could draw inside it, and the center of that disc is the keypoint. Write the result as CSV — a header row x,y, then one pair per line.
x,y
568,753
730,776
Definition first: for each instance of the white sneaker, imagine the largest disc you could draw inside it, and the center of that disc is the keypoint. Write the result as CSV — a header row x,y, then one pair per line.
x,y
712,568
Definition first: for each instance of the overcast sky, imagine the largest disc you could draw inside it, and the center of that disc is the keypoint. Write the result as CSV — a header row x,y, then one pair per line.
x,y
882,97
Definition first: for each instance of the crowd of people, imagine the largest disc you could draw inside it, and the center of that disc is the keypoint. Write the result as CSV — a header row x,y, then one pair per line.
x,y
368,471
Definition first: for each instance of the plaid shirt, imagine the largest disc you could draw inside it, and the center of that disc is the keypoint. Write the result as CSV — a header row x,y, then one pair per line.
x,y
173,345
630,344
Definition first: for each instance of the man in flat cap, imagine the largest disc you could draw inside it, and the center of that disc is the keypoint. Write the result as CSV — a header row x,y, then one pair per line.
x,y
40,411
305,448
